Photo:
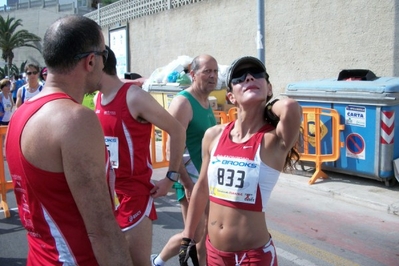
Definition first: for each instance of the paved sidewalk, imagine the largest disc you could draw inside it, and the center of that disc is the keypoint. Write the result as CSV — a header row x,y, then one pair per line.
x,y
357,190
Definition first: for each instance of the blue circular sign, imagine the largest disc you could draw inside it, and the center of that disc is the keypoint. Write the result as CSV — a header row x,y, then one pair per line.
x,y
355,143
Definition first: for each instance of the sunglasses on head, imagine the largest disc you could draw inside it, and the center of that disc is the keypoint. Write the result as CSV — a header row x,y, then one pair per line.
x,y
30,73
241,75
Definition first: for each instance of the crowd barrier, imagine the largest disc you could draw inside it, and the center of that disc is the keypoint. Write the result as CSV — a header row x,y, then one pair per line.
x,y
5,185
309,147
159,138
221,117
312,134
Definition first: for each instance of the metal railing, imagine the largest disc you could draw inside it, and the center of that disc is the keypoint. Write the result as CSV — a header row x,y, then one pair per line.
x,y
82,7
126,10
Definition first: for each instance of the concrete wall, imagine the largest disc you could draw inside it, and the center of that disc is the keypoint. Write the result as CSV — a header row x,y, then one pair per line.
x,y
304,40
317,39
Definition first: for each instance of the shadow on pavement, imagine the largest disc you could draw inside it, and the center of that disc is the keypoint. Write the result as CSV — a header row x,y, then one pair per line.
x,y
12,261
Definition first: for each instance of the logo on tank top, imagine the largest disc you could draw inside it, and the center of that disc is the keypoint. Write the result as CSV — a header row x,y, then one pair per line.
x,y
237,163
216,161
109,112
249,197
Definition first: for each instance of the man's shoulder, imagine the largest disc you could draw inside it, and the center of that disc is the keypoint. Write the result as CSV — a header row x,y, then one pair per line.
x,y
181,102
71,115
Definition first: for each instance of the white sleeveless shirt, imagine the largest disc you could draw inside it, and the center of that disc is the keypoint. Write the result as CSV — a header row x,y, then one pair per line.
x,y
7,104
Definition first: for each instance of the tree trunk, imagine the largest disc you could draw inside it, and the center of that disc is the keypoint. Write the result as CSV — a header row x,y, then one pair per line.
x,y
9,63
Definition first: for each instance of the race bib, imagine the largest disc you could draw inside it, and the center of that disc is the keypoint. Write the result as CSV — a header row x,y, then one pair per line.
x,y
112,147
234,179
7,108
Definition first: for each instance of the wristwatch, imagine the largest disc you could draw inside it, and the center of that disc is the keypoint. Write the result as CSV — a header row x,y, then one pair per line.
x,y
173,176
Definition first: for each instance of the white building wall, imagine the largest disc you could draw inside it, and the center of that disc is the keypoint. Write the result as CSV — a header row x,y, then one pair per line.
x,y
304,40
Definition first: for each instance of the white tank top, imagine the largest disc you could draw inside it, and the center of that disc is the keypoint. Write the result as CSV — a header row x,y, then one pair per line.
x,y
7,104
26,95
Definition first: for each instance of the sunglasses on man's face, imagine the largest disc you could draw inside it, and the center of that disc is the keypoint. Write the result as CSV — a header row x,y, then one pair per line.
x,y
241,75
30,73
103,53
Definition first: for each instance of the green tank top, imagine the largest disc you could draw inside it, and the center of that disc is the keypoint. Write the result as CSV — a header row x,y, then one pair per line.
x,y
88,100
201,121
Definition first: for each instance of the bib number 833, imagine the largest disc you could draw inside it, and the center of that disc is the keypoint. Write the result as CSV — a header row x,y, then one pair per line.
x,y
230,178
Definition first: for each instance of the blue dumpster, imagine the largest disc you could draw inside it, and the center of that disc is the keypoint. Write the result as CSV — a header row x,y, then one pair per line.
x,y
367,106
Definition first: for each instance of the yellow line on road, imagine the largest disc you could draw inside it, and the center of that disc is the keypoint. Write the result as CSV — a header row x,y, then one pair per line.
x,y
312,250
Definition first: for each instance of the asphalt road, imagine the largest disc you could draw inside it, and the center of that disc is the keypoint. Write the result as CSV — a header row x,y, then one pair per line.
x,y
338,221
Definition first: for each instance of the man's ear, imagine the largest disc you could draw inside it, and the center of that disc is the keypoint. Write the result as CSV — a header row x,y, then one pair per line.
x,y
89,61
192,74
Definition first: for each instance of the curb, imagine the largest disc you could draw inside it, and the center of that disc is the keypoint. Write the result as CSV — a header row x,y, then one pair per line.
x,y
344,192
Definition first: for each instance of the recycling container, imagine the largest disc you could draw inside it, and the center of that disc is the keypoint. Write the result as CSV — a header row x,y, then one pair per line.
x,y
367,106
164,93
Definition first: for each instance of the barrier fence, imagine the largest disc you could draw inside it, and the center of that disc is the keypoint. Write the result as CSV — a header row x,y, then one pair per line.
x,y
310,147
313,131
5,185
159,157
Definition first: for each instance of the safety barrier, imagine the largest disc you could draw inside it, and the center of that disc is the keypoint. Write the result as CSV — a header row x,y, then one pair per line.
x,y
5,185
311,137
159,137
232,113
312,119
221,117
155,146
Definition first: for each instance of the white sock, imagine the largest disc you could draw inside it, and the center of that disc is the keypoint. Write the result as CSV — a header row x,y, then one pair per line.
x,y
159,261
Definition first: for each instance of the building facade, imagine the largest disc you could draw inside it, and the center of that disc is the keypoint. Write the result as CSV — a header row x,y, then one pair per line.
x,y
304,40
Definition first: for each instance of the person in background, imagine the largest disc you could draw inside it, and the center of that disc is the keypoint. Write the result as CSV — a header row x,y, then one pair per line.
x,y
241,163
6,105
192,109
6,102
127,114
16,84
88,100
32,87
63,185
43,75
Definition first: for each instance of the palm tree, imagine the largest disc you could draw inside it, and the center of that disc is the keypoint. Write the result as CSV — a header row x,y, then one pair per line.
x,y
11,39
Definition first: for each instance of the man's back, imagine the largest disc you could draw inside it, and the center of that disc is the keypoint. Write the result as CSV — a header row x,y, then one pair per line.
x,y
43,196
57,156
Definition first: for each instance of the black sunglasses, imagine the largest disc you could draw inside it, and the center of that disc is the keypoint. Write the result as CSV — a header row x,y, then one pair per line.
x,y
104,54
241,75
30,73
